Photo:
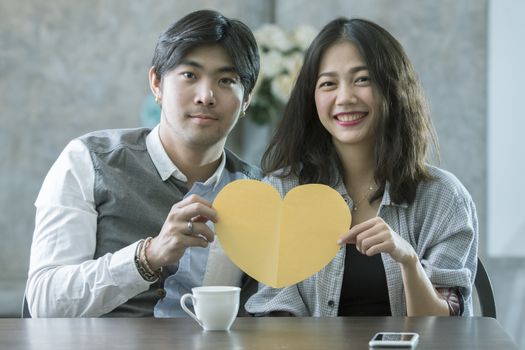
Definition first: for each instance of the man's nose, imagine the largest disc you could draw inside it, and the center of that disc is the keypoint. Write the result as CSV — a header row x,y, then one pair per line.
x,y
205,95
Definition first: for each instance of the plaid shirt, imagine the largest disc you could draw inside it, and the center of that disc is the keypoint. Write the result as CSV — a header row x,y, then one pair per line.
x,y
441,224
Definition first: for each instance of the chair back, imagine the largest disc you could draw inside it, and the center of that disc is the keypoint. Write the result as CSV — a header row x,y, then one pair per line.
x,y
25,313
487,302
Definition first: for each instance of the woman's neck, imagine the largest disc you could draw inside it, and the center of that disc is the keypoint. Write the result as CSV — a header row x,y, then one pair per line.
x,y
358,166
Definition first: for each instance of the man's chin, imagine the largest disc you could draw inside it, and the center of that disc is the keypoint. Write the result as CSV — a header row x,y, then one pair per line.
x,y
206,141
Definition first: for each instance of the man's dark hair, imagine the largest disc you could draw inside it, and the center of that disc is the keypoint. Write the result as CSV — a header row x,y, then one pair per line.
x,y
208,27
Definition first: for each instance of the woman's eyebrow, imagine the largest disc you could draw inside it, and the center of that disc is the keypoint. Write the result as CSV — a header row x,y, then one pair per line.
x,y
352,70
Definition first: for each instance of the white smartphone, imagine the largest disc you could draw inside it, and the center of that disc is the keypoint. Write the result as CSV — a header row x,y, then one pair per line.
x,y
394,340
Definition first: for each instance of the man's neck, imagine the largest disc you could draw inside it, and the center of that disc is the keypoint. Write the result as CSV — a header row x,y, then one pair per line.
x,y
197,165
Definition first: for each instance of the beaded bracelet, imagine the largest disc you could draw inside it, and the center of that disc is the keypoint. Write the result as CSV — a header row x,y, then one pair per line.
x,y
144,258
141,262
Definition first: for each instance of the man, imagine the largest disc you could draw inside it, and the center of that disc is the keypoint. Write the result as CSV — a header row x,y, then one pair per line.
x,y
120,206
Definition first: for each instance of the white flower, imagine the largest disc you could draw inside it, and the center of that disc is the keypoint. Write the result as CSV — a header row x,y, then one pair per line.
x,y
271,64
293,63
271,36
282,86
281,60
303,35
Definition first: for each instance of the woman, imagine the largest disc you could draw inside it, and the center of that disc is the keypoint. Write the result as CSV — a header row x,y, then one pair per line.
x,y
357,120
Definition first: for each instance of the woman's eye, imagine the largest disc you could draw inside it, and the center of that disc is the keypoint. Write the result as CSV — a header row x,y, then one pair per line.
x,y
363,80
325,84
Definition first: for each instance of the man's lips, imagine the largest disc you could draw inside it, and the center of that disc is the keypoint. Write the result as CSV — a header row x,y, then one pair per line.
x,y
204,116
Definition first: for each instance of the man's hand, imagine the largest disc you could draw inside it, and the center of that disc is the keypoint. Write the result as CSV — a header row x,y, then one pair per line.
x,y
176,234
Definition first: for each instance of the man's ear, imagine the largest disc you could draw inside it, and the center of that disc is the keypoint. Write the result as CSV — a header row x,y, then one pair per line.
x,y
246,103
154,83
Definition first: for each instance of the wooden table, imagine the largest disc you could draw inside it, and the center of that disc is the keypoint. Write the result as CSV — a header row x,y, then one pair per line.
x,y
249,333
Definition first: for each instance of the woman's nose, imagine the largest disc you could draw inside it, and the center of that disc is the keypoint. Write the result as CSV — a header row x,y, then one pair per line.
x,y
346,95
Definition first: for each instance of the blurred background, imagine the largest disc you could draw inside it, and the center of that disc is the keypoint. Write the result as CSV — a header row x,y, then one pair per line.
x,y
70,67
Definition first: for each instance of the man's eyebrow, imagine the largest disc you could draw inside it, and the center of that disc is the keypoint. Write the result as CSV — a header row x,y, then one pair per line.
x,y
191,63
227,69
352,70
224,69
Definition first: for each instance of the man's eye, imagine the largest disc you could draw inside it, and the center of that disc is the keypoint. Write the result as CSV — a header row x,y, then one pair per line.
x,y
227,81
188,75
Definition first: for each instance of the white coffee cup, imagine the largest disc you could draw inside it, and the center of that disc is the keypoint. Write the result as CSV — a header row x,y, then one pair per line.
x,y
215,307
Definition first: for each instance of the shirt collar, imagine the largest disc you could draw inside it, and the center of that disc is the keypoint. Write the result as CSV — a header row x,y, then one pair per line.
x,y
165,166
385,201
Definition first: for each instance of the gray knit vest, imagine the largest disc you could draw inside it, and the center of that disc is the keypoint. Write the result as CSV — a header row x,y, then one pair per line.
x,y
131,199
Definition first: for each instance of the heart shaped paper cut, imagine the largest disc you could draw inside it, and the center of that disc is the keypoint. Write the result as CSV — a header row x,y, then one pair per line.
x,y
280,242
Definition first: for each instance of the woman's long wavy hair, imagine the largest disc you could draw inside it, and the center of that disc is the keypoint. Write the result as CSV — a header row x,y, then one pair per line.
x,y
302,146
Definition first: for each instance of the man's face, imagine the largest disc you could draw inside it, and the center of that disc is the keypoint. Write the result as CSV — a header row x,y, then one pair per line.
x,y
202,99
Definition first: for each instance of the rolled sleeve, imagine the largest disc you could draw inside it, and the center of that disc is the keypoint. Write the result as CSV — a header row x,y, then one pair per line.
x,y
125,274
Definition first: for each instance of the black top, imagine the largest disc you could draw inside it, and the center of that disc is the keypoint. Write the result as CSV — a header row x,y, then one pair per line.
x,y
364,291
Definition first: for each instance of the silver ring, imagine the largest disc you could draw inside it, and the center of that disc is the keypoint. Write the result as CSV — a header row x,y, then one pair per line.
x,y
190,227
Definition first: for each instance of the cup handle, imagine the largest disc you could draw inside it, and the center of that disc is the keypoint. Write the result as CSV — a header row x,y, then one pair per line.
x,y
185,308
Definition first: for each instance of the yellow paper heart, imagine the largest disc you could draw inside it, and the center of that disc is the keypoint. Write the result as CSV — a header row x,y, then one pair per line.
x,y
280,242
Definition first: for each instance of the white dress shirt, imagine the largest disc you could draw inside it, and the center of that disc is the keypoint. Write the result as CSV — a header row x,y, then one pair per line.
x,y
64,280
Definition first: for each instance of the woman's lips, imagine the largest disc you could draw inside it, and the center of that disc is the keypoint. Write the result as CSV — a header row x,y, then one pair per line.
x,y
350,118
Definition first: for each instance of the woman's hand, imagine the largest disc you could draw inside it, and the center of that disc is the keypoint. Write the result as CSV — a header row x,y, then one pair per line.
x,y
374,236
176,234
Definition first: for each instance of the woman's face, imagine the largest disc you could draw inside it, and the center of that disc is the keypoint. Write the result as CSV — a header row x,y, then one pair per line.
x,y
346,102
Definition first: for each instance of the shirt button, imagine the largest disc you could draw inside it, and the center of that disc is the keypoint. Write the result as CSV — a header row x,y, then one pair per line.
x,y
331,303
